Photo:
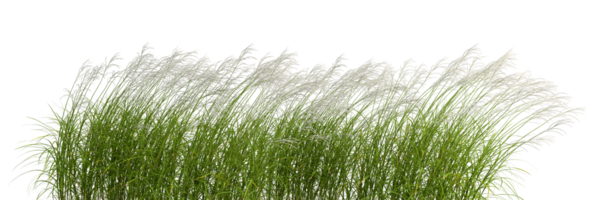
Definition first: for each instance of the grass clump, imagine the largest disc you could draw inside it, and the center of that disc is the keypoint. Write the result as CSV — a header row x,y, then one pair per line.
x,y
181,128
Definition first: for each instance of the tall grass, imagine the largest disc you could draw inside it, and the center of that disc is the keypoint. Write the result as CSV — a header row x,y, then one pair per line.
x,y
181,128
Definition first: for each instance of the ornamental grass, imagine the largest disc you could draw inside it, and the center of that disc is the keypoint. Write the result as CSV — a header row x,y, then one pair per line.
x,y
181,127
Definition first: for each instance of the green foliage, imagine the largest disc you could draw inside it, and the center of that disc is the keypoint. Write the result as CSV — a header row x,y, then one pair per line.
x,y
231,160
114,149
35,166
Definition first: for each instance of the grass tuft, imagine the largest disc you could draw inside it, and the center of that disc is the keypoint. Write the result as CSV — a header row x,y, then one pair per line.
x,y
269,131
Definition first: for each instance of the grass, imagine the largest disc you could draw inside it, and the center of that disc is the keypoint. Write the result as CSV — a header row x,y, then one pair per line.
x,y
264,146
104,155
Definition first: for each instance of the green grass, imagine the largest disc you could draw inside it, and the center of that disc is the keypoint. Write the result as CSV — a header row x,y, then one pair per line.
x,y
101,155
115,149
